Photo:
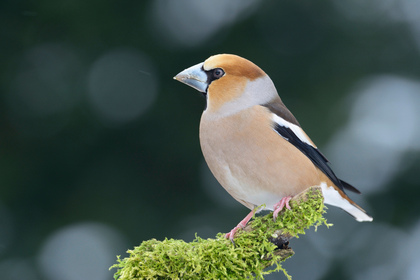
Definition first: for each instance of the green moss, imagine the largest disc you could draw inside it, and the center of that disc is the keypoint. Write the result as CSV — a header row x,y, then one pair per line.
x,y
218,258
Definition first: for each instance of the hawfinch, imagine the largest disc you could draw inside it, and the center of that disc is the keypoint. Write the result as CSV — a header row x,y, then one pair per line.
x,y
254,145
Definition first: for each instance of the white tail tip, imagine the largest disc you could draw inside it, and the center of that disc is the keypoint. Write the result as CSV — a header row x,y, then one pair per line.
x,y
333,197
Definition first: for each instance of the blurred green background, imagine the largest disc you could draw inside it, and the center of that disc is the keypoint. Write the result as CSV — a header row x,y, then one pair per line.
x,y
99,147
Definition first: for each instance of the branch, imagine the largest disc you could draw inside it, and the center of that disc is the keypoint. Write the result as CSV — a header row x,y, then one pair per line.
x,y
261,244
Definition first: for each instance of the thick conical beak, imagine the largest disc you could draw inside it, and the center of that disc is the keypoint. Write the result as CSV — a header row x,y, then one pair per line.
x,y
194,77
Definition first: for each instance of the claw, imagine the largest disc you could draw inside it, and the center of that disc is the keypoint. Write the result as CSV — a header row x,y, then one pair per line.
x,y
242,224
231,234
280,205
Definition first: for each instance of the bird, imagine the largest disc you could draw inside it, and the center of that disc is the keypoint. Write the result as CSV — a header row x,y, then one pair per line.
x,y
253,144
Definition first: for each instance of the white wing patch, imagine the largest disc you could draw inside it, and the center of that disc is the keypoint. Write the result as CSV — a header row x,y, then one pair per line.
x,y
296,129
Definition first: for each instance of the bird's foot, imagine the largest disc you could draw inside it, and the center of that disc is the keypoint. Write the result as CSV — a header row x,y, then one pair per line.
x,y
242,224
280,205
231,233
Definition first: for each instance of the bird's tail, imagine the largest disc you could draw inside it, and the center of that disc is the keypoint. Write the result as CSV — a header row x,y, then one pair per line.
x,y
335,197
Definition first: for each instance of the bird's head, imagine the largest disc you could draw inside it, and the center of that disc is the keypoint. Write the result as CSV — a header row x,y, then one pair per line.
x,y
230,83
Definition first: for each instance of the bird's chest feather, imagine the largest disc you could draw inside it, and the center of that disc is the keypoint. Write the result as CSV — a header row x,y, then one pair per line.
x,y
239,151
230,145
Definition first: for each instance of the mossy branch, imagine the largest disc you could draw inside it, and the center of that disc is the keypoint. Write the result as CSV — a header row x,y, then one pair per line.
x,y
261,244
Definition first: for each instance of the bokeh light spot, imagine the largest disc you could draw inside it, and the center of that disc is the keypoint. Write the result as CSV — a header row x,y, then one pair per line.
x,y
122,85
188,23
409,254
384,125
89,247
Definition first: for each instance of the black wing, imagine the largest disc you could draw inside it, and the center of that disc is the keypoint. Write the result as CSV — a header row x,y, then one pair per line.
x,y
314,155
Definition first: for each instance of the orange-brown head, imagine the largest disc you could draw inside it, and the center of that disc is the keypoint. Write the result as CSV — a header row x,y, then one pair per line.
x,y
231,83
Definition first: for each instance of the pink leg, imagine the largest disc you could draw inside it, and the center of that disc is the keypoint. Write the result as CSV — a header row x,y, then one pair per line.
x,y
280,205
242,224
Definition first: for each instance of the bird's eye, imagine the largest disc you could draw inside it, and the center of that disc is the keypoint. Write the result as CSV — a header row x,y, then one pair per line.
x,y
218,73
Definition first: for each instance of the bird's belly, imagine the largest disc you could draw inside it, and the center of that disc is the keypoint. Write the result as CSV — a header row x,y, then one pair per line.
x,y
255,179
247,191
253,163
